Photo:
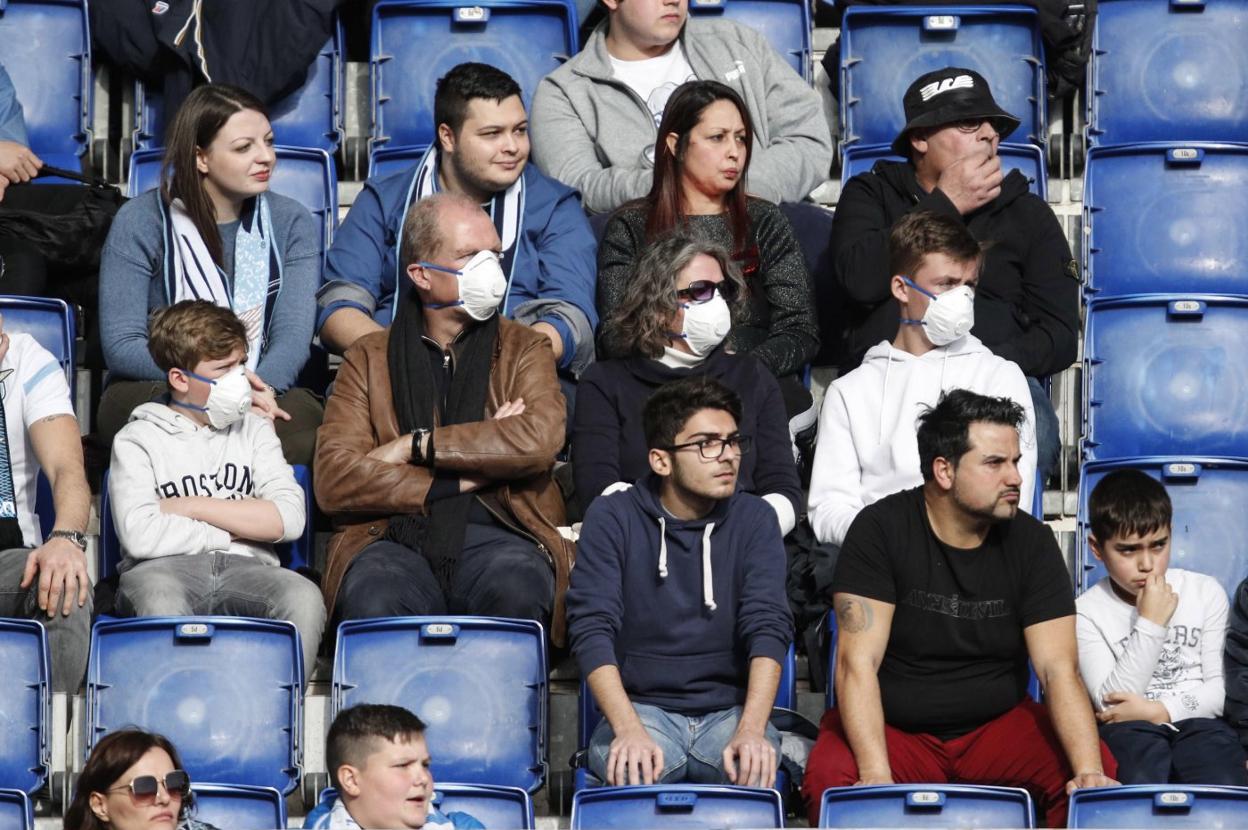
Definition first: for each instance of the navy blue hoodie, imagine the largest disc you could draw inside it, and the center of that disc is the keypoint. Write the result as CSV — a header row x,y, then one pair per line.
x,y
681,607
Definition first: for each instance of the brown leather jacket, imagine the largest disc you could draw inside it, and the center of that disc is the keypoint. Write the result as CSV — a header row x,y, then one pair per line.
x,y
360,494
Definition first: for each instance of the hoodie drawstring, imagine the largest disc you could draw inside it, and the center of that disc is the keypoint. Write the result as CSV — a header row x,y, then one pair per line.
x,y
708,585
662,548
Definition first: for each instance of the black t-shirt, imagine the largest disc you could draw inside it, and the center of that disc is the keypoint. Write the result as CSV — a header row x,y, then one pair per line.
x,y
956,657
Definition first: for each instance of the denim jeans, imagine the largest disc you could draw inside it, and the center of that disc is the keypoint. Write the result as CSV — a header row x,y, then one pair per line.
x,y
1048,433
693,745
69,638
227,584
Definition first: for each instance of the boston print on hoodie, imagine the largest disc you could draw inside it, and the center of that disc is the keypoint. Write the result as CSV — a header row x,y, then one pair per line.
x,y
868,445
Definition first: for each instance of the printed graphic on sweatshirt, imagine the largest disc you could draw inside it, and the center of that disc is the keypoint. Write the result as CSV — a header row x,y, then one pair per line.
x,y
232,481
1178,662
8,499
951,605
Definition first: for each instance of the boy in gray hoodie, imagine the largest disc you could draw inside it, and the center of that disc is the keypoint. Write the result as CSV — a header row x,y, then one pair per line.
x,y
201,491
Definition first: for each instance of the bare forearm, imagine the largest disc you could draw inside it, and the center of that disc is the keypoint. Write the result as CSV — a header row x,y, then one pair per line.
x,y
251,519
608,690
344,327
862,716
1071,713
760,694
71,499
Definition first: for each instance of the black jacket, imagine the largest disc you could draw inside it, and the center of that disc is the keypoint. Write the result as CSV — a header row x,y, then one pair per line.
x,y
1027,304
1236,669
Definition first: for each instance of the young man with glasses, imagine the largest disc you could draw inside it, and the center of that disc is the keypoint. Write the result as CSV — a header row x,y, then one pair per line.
x,y
678,595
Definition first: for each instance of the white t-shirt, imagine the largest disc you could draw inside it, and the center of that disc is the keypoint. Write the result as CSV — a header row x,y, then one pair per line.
x,y
655,79
1179,665
33,387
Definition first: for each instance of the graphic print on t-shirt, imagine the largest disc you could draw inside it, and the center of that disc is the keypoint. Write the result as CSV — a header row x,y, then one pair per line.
x,y
1174,664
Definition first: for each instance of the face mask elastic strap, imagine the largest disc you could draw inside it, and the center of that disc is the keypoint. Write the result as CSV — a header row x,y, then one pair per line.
x,y
915,286
441,268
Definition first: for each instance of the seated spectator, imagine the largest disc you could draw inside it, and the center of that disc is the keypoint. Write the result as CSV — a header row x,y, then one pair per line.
x,y
1237,664
482,152
133,780
942,593
683,656
200,489
1027,301
214,231
701,159
665,329
44,579
594,117
867,447
379,763
436,453
1150,645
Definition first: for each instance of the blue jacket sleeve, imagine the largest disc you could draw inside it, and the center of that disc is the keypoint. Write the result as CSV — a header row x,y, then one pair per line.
x,y
128,264
595,598
12,121
596,442
764,622
356,265
568,258
290,330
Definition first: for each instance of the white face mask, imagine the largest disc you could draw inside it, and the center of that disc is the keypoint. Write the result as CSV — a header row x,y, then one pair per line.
x,y
229,399
706,325
482,285
949,316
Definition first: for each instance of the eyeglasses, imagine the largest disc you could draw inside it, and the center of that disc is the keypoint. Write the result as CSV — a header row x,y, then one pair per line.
x,y
972,125
144,788
701,291
712,449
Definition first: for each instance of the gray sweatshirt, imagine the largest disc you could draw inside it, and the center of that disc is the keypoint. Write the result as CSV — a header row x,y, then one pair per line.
x,y
591,131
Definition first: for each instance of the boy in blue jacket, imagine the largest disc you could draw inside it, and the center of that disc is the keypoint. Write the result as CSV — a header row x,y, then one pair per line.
x,y
676,610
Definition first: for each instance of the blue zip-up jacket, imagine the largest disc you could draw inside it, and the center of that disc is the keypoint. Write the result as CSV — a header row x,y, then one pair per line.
x,y
681,607
556,261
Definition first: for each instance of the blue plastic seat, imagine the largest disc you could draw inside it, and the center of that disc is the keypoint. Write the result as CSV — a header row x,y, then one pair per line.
x,y
50,321
25,705
416,42
1165,375
240,808
1160,218
16,812
311,116
1173,71
885,48
478,682
926,805
686,806
1210,529
1164,806
493,806
784,23
1026,158
386,161
46,49
228,691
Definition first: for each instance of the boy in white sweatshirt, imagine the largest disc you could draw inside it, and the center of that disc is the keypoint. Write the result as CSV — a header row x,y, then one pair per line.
x,y
867,446
1150,645
201,491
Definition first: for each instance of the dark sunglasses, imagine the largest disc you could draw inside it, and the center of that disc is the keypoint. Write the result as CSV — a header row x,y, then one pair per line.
x,y
144,788
701,291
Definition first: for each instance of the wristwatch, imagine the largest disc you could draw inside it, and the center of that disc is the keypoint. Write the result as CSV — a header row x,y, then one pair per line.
x,y
77,537
418,455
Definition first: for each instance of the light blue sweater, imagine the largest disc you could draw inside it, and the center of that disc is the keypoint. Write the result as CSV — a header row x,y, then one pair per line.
x,y
132,286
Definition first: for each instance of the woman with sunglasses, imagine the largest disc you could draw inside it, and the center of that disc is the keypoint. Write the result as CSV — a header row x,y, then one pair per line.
x,y
701,159
670,324
133,781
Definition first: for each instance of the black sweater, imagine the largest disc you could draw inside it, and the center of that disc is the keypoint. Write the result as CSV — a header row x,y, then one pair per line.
x,y
1027,304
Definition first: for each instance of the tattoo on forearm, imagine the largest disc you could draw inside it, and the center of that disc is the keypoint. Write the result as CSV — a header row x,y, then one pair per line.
x,y
853,616
52,418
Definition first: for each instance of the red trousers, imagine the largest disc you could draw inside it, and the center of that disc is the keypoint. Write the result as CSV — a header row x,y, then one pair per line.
x,y
1018,749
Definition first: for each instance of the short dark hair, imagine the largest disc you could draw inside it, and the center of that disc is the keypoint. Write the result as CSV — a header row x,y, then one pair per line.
x,y
673,404
353,732
944,429
924,232
464,83
1128,503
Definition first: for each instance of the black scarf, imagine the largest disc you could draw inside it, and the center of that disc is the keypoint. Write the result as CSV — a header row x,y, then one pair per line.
x,y
439,534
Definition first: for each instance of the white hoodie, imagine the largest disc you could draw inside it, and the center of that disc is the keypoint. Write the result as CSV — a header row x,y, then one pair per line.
x,y
162,453
867,446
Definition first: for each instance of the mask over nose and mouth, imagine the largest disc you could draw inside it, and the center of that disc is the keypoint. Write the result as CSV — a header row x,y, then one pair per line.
x,y
706,325
482,285
229,399
949,316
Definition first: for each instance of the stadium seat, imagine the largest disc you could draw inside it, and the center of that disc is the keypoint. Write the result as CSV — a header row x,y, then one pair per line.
x,y
305,175
25,705
1026,158
46,49
50,321
228,691
884,48
784,23
926,805
495,807
238,807
1173,71
1165,374
1160,218
684,806
415,42
16,812
1159,807
311,116
1210,530
480,684
386,161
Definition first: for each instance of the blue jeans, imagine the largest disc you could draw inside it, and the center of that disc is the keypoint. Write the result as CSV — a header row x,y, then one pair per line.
x,y
1048,433
69,638
1201,751
693,746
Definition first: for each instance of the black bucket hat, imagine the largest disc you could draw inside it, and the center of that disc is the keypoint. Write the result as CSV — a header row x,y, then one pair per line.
x,y
948,95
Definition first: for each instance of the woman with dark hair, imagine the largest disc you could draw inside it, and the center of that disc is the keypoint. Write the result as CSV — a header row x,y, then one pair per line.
x,y
133,781
214,231
670,323
701,159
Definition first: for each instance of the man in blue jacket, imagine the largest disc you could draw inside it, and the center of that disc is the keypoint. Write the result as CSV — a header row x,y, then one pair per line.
x,y
482,151
676,598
